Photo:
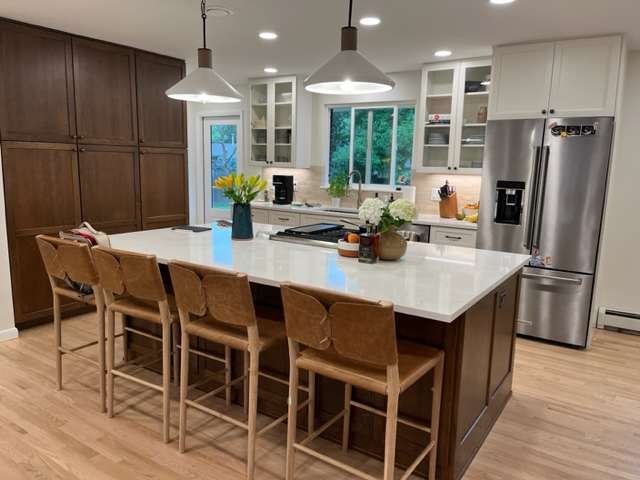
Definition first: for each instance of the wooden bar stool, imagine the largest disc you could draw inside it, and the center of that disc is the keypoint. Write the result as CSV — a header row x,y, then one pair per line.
x,y
133,287
217,305
66,260
353,340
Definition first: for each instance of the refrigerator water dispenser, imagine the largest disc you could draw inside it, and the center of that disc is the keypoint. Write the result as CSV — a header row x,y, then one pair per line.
x,y
509,196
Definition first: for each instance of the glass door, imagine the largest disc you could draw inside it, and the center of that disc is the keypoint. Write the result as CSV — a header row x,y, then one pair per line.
x,y
223,156
259,122
440,110
475,103
284,119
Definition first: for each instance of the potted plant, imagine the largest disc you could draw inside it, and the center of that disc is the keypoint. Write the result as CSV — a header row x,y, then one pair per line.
x,y
386,219
242,191
338,184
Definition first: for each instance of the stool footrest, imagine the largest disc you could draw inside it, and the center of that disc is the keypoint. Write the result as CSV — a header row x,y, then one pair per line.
x,y
335,463
73,353
143,334
404,421
318,431
215,413
218,390
417,461
131,378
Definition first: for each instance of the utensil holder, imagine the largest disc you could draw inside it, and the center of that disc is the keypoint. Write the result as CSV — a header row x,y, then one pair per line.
x,y
449,207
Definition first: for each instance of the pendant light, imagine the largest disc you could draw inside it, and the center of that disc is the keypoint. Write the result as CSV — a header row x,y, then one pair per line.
x,y
348,73
204,85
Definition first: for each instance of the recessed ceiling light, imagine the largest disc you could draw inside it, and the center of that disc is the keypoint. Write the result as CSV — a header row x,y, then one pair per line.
x,y
270,70
268,35
501,2
443,53
370,21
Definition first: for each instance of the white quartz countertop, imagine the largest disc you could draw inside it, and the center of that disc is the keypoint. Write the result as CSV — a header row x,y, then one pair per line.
x,y
423,219
431,281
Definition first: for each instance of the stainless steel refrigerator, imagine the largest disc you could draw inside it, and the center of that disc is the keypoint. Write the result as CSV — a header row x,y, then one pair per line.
x,y
543,193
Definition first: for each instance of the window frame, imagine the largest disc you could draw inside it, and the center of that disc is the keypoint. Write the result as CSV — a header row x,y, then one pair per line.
x,y
394,138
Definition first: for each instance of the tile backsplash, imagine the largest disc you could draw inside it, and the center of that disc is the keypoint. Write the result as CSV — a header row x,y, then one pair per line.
x,y
310,180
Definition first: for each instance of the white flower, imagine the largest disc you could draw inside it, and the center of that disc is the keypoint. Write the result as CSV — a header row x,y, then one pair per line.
x,y
371,210
402,209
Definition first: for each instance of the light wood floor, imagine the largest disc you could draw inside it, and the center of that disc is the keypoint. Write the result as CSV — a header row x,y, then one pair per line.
x,y
574,415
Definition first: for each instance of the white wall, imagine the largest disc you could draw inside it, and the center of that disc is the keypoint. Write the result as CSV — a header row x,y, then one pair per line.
x,y
617,279
7,323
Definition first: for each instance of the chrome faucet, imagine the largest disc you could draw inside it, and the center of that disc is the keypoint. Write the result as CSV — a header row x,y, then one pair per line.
x,y
359,199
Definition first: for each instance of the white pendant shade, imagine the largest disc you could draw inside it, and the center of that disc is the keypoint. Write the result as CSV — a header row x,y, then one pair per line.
x,y
348,73
205,86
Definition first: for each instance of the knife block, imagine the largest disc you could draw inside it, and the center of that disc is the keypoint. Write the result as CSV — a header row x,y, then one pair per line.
x,y
449,207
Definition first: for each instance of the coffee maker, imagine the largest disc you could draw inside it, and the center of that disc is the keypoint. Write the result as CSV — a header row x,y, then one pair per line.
x,y
283,189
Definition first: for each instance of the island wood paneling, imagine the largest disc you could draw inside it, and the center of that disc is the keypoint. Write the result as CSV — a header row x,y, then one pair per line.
x,y
50,79
161,120
105,92
36,85
163,187
109,182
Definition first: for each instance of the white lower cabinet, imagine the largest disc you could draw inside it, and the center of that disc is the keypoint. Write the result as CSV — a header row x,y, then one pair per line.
x,y
313,219
283,218
453,236
259,216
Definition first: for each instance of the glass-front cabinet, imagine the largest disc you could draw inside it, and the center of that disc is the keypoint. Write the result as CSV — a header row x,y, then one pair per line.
x,y
454,103
273,122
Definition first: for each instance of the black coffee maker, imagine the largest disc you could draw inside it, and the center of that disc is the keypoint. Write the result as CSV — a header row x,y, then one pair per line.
x,y
283,187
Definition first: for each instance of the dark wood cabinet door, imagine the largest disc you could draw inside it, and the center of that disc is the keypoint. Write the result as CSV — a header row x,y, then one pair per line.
x,y
36,85
105,93
161,120
110,187
42,196
163,187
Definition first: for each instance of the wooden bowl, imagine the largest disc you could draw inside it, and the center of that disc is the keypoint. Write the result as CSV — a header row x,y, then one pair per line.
x,y
346,249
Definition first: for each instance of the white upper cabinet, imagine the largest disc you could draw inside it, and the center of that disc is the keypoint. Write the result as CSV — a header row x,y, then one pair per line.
x,y
452,117
585,77
566,78
521,81
273,122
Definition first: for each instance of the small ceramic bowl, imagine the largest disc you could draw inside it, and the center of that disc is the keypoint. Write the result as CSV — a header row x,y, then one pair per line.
x,y
346,249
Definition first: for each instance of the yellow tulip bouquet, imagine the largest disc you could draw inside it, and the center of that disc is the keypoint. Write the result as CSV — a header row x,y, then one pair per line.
x,y
241,189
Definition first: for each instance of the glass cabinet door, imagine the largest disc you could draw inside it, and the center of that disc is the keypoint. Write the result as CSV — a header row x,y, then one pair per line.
x,y
259,122
284,121
439,112
476,82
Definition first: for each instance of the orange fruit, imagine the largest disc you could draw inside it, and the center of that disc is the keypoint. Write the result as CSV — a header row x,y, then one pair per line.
x,y
353,238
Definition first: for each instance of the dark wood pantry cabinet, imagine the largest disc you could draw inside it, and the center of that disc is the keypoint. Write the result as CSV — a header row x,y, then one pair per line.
x,y
74,114
36,87
161,120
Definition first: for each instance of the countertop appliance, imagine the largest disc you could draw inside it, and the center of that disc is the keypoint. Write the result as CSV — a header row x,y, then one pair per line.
x,y
283,189
319,234
543,194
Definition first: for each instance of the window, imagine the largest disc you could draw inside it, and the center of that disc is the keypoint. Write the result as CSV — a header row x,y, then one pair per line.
x,y
223,155
376,141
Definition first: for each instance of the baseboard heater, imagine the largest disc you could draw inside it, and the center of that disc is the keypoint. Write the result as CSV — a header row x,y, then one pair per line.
x,y
611,318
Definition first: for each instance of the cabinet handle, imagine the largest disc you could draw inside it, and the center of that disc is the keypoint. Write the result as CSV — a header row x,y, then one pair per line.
x,y
544,112
73,136
82,150
455,168
448,168
451,237
142,140
284,219
79,136
552,111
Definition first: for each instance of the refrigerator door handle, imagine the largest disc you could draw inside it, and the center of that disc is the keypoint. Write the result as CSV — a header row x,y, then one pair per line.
x,y
541,193
533,184
533,276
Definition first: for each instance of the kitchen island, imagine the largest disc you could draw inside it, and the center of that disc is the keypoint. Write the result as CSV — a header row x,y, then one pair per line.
x,y
460,300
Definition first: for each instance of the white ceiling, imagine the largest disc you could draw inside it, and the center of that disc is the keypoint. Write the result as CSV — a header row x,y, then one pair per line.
x,y
411,30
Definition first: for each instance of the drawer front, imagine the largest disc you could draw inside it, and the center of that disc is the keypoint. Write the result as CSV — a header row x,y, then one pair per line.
x,y
259,216
286,219
313,219
453,236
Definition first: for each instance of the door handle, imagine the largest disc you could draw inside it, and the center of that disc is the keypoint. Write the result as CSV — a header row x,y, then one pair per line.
x,y
541,193
533,187
533,276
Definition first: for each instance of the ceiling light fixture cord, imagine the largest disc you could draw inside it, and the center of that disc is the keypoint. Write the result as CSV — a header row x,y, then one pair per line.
x,y
203,10
350,10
